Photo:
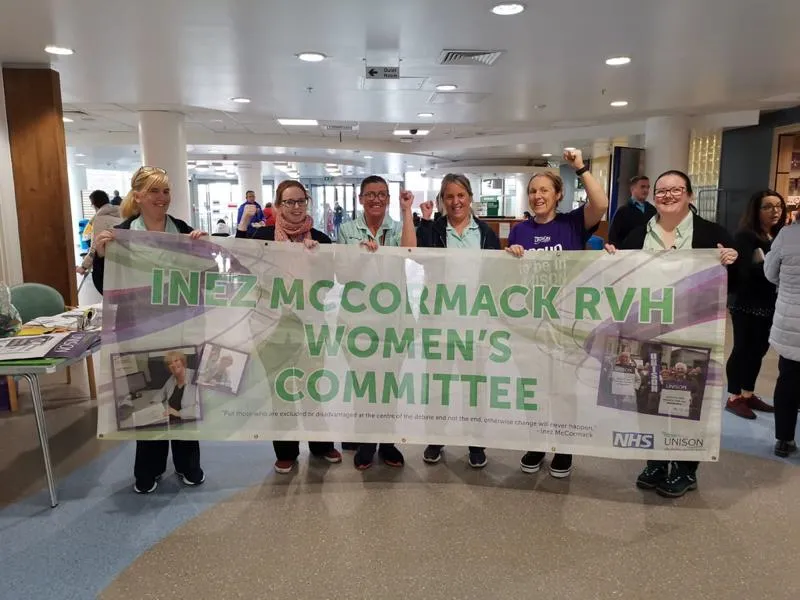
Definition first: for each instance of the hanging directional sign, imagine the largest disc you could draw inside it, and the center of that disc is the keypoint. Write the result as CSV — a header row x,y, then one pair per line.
x,y
383,72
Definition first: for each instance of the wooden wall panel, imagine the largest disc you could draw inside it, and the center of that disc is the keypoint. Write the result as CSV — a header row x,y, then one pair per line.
x,y
39,163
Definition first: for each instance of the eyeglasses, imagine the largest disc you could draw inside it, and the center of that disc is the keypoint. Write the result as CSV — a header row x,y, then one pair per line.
x,y
382,196
776,207
675,192
301,203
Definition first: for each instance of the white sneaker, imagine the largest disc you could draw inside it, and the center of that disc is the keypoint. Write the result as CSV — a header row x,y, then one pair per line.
x,y
189,482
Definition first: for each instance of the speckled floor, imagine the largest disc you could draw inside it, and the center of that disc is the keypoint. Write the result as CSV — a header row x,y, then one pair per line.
x,y
434,532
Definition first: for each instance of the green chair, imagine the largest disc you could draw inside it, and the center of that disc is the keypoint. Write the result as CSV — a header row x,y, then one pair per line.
x,y
34,300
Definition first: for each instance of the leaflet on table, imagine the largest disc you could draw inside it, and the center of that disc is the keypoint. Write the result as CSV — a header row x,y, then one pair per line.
x,y
75,344
31,346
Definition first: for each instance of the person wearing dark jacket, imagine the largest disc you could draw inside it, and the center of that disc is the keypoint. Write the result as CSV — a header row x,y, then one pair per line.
x,y
676,227
753,304
292,224
636,213
459,228
145,209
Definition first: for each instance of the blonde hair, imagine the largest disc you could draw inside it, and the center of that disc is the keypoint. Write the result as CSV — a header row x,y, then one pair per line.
x,y
175,355
145,179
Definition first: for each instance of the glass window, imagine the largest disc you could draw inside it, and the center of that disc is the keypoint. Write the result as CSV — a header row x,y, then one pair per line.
x,y
394,204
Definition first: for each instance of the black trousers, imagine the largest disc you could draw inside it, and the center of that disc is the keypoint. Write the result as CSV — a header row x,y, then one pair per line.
x,y
291,450
750,345
787,399
151,459
686,466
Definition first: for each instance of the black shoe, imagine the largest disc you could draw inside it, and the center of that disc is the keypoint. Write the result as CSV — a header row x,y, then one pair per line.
x,y
432,454
146,487
531,462
677,484
651,476
477,459
561,466
350,445
784,449
193,480
390,455
362,459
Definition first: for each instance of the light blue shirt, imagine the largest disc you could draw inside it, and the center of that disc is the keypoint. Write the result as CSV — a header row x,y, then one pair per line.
x,y
354,232
469,238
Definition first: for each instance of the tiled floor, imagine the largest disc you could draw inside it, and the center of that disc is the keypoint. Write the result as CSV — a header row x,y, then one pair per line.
x,y
423,532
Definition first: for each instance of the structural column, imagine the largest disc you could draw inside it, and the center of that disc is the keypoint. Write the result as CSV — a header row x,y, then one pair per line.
x,y
163,143
37,147
666,140
10,256
250,178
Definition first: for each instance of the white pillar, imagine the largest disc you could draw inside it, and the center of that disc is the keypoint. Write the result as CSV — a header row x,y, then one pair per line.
x,y
250,178
522,195
10,255
666,140
77,183
163,143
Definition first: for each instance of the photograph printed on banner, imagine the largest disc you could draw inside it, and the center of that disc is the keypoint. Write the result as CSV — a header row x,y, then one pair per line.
x,y
221,368
653,378
155,388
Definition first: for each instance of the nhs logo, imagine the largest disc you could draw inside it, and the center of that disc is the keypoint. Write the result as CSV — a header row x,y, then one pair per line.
x,y
630,439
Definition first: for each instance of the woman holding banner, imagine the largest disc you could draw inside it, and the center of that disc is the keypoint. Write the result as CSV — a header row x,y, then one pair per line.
x,y
292,224
145,209
458,228
555,231
676,226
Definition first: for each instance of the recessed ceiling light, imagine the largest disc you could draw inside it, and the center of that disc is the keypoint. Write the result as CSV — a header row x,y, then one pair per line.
x,y
299,122
367,157
79,155
446,87
410,132
546,155
330,151
241,100
66,119
59,50
508,8
80,164
619,103
311,56
618,61
425,115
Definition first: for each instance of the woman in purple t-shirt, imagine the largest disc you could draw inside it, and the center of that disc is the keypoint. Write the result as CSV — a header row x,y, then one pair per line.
x,y
551,230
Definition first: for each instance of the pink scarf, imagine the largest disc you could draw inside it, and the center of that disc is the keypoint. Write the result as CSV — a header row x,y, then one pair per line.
x,y
289,232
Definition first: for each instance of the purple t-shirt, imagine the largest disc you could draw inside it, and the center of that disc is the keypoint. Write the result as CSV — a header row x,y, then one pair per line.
x,y
565,232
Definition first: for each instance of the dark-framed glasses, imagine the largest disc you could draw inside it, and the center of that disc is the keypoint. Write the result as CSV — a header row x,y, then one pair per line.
x,y
382,196
775,207
300,203
675,192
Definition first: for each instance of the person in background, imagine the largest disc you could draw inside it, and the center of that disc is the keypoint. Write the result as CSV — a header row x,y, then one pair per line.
x,y
256,216
145,209
292,224
338,217
782,268
372,229
676,226
116,200
222,228
269,215
551,230
459,229
637,212
103,208
753,304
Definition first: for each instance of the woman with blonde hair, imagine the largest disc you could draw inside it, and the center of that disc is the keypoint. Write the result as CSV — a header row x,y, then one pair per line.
x,y
145,209
292,224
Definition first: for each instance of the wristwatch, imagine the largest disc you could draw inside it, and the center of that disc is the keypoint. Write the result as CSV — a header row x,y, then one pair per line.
x,y
582,170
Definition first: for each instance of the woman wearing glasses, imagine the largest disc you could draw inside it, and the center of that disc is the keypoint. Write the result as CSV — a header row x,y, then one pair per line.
x,y
145,209
676,226
292,224
371,229
753,305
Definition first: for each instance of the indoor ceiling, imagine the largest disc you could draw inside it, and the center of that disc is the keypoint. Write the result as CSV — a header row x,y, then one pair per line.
x,y
550,85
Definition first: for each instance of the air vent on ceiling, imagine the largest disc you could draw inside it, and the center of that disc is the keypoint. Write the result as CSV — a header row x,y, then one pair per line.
x,y
484,58
76,114
343,127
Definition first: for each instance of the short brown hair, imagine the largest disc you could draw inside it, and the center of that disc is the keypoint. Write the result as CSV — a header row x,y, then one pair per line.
x,y
285,185
558,183
637,179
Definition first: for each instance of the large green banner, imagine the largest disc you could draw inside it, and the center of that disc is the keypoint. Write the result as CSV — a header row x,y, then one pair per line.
x,y
576,352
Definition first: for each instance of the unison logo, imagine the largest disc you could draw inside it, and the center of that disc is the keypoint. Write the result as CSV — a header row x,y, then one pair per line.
x,y
632,439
